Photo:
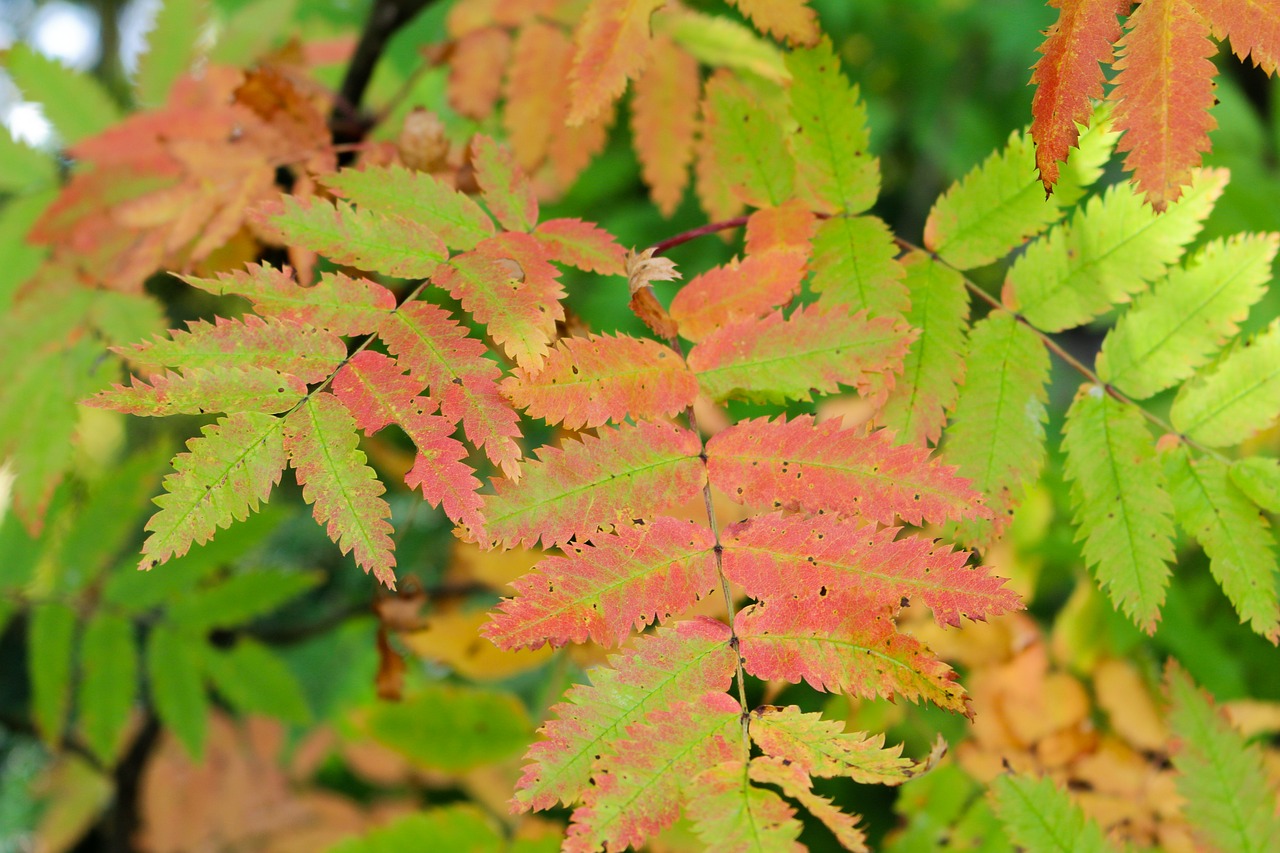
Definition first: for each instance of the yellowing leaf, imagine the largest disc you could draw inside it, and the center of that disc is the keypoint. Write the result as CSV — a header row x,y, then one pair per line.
x,y
664,119
785,19
612,44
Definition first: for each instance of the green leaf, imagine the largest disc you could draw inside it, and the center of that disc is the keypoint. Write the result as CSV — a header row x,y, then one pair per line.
x,y
461,827
1228,526
855,262
417,196
49,660
1111,249
1040,816
18,258
836,171
24,169
288,346
1239,397
199,391
108,681
320,438
997,439
721,42
1177,326
748,142
1259,478
505,188
818,348
240,598
1122,502
175,670
75,104
1229,801
934,367
224,476
356,237
452,728
253,29
255,680
172,48
729,813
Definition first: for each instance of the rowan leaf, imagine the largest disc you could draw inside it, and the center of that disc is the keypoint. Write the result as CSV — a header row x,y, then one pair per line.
x,y
535,92
720,42
337,302
822,748
474,88
432,346
816,349
282,345
590,381
506,190
507,284
604,590
855,262
1242,551
687,659
108,682
1238,398
783,19
935,364
51,646
611,46
356,237
629,472
172,48
797,785
582,245
790,556
175,677
788,226
418,197
236,600
23,170
1259,478
1163,91
1068,77
75,104
199,391
253,679
1252,25
1122,504
737,291
377,392
1230,801
636,792
845,647
664,121
731,814
744,135
320,438
835,170
226,473
800,465
452,728
997,438
1175,328
1038,815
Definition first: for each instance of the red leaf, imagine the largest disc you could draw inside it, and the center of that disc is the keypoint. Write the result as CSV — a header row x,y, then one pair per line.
x,y
738,291
1164,91
508,285
784,556
1068,76
590,381
603,591
1252,25
377,392
506,190
629,472
842,645
798,464
612,44
664,120
582,245
436,349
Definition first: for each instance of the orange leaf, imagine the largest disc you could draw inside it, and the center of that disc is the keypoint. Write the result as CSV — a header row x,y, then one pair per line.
x,y
535,91
1068,76
1164,92
664,118
1252,25
737,291
473,85
612,46
785,19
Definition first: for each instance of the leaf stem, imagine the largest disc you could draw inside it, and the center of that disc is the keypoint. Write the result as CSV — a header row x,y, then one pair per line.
x,y
700,231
